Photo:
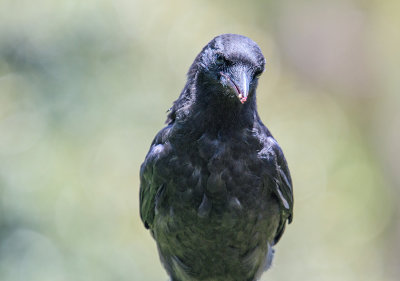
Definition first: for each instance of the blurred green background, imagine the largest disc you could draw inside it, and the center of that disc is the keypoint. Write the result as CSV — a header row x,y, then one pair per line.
x,y
84,87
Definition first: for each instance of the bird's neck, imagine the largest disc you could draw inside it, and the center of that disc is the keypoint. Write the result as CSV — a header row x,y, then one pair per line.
x,y
216,113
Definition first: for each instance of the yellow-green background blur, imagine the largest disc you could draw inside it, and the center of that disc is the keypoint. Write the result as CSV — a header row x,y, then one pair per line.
x,y
84,87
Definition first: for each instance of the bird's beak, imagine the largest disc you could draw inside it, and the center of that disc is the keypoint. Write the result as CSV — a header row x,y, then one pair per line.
x,y
239,82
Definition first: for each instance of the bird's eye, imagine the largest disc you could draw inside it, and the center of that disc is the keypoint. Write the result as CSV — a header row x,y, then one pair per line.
x,y
258,73
220,59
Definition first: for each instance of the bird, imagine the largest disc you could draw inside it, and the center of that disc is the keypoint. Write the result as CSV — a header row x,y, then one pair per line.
x,y
215,188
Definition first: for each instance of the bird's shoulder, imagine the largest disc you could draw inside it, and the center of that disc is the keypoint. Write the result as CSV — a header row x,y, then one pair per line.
x,y
170,167
278,172
153,174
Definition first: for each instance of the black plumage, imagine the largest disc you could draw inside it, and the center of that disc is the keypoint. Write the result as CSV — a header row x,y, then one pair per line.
x,y
215,188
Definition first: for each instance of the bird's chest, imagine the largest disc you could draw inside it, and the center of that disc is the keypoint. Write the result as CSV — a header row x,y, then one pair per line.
x,y
219,180
217,201
232,165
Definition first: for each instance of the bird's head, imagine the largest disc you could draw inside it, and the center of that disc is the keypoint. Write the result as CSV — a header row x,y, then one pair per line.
x,y
230,65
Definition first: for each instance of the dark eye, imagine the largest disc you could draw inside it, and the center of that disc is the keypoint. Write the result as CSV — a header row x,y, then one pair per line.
x,y
258,73
220,59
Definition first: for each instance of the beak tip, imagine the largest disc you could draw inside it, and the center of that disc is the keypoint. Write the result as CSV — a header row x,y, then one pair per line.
x,y
242,98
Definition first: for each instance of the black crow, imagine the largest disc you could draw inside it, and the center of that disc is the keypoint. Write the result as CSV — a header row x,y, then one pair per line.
x,y
215,188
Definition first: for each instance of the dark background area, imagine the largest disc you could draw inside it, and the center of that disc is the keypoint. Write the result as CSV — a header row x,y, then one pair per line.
x,y
84,87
